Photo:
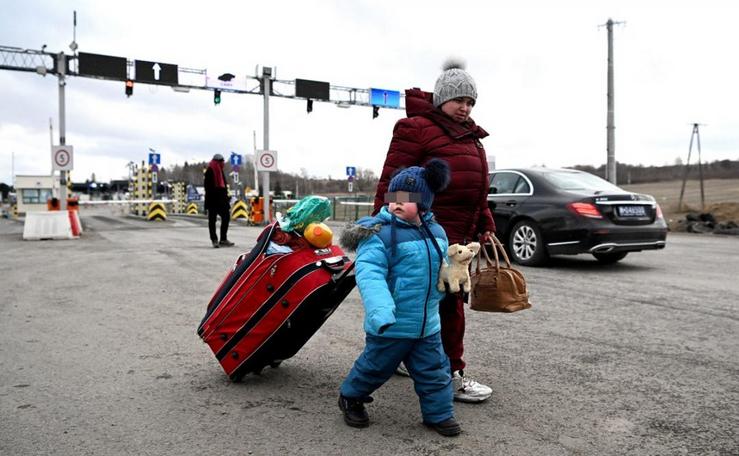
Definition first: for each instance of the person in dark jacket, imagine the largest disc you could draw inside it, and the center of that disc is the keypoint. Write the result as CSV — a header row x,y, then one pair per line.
x,y
217,201
439,126
399,254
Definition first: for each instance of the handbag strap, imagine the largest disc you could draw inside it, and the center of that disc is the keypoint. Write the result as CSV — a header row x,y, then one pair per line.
x,y
488,262
496,246
499,246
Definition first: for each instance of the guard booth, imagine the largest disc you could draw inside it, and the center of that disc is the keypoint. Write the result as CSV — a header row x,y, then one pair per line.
x,y
34,192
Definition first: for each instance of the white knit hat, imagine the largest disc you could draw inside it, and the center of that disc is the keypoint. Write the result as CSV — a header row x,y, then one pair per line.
x,y
454,82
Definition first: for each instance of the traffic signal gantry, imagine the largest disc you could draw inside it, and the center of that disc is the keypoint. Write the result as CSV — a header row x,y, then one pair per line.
x,y
264,82
113,68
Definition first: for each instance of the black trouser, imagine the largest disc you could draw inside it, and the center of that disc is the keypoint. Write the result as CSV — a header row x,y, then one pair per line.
x,y
213,213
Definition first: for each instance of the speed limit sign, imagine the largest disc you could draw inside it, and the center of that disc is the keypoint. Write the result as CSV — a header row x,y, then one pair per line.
x,y
61,158
266,160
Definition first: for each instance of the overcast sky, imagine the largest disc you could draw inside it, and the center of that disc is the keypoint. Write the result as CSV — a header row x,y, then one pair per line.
x,y
540,71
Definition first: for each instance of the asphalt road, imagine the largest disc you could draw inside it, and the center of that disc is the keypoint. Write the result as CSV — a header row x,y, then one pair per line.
x,y
99,356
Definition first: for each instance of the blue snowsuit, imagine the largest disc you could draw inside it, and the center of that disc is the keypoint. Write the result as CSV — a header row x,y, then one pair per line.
x,y
397,268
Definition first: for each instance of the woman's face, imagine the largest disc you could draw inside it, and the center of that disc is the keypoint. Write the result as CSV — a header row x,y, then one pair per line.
x,y
458,109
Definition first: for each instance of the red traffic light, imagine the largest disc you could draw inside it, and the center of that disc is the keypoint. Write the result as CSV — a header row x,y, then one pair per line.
x,y
129,87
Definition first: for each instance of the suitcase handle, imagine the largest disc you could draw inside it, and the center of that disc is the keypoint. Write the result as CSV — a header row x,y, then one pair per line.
x,y
337,266
333,264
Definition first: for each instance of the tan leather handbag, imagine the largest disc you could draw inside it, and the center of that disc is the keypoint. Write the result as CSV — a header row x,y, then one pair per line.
x,y
496,287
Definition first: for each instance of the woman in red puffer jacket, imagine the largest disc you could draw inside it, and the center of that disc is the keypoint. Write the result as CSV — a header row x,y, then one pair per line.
x,y
439,126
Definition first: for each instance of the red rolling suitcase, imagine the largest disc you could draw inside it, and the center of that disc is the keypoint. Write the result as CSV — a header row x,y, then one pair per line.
x,y
270,304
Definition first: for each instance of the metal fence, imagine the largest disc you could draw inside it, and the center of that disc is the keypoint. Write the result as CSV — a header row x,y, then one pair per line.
x,y
344,208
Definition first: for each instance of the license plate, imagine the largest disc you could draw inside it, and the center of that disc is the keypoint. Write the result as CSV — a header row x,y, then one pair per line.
x,y
631,211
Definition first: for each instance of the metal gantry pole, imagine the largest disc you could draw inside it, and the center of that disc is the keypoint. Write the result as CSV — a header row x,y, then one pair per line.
x,y
61,71
611,137
266,83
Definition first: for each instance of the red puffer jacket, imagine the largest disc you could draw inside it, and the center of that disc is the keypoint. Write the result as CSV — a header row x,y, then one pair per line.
x,y
427,133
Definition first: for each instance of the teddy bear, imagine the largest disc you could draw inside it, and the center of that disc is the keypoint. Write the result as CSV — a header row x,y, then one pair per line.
x,y
456,272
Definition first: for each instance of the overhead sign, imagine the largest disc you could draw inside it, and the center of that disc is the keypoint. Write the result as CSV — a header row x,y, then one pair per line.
x,y
156,72
385,98
232,84
267,160
62,158
315,90
106,66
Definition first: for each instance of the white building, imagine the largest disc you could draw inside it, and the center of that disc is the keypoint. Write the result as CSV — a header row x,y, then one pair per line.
x,y
34,191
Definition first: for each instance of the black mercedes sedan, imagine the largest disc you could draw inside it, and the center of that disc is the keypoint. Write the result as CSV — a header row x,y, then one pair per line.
x,y
541,212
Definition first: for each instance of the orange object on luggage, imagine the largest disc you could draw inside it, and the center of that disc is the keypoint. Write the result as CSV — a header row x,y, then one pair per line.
x,y
318,234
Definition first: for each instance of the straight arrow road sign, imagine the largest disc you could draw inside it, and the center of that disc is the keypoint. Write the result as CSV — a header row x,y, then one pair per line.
x,y
156,72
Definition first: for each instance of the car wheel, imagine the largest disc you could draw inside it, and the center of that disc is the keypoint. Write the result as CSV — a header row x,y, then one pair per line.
x,y
526,245
610,257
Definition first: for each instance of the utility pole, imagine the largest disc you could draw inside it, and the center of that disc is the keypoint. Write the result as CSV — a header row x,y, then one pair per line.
x,y
610,127
254,162
695,134
266,85
61,71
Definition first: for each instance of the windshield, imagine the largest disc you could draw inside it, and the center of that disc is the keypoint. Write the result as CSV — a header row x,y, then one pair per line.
x,y
579,181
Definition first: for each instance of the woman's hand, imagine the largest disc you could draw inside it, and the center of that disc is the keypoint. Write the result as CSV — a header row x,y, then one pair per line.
x,y
486,236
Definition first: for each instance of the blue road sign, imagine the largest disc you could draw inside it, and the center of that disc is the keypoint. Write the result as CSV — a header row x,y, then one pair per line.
x,y
235,159
385,98
192,193
154,158
351,171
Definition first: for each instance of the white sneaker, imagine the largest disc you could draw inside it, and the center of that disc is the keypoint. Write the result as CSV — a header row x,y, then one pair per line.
x,y
468,390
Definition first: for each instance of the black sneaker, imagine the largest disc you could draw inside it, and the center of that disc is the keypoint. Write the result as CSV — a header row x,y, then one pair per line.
x,y
354,413
215,244
226,243
447,428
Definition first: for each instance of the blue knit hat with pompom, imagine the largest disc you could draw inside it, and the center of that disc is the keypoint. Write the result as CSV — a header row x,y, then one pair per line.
x,y
427,180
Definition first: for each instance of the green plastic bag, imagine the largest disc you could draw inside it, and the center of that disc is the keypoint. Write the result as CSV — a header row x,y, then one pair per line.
x,y
311,209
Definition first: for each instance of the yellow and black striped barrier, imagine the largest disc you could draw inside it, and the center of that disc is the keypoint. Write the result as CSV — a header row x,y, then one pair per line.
x,y
192,209
157,211
238,211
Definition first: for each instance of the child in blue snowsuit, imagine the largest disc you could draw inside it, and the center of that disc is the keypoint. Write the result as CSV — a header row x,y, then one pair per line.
x,y
399,254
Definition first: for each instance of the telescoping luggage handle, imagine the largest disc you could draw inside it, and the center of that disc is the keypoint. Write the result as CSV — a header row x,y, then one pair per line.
x,y
336,266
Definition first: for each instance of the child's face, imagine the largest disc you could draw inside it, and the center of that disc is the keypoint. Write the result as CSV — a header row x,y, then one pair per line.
x,y
407,211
